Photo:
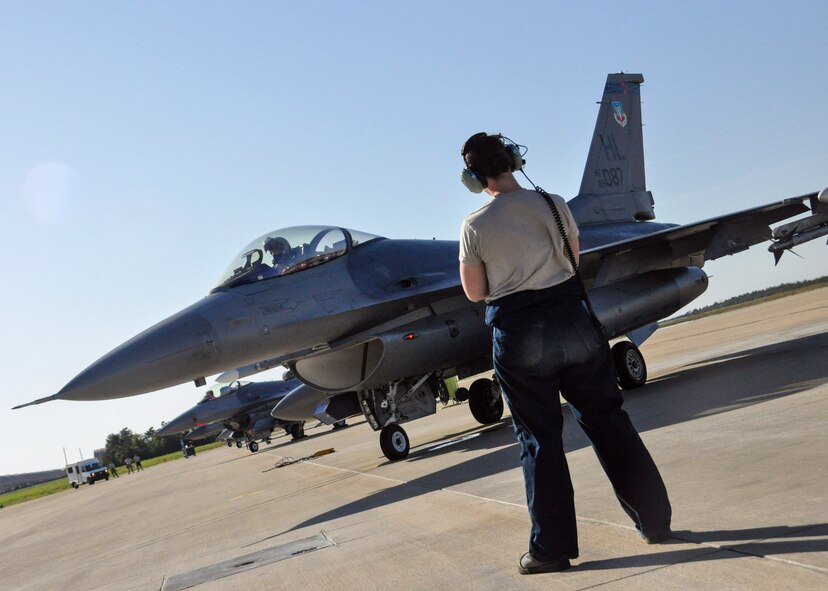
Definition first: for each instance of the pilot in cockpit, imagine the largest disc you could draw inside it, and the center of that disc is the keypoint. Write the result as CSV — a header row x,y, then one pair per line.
x,y
279,249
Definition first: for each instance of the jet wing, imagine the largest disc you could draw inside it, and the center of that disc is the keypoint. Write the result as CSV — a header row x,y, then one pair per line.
x,y
687,245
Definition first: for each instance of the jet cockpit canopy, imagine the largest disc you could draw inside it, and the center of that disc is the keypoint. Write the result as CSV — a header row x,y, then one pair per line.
x,y
220,390
290,250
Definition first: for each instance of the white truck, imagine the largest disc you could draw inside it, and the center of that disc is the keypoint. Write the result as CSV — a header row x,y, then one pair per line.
x,y
86,471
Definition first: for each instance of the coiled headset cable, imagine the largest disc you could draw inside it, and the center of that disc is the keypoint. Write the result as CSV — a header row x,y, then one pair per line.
x,y
570,255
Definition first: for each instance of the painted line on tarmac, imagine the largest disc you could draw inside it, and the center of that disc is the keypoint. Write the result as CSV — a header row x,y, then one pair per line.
x,y
457,492
710,545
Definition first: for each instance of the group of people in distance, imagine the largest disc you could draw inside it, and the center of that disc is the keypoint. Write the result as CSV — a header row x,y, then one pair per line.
x,y
133,464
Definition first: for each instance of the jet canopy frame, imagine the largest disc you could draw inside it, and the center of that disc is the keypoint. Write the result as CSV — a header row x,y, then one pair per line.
x,y
290,250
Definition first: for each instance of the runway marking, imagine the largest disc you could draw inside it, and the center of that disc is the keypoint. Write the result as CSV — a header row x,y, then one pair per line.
x,y
249,494
710,545
452,442
457,492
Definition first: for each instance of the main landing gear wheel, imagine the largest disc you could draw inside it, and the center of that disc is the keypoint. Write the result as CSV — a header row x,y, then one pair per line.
x,y
239,443
253,446
296,431
629,365
485,403
394,442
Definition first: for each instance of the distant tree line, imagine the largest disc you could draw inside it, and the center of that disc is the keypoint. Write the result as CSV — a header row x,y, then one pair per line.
x,y
12,482
755,295
125,443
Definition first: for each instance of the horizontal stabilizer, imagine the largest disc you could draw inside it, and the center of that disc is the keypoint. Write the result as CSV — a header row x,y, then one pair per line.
x,y
38,401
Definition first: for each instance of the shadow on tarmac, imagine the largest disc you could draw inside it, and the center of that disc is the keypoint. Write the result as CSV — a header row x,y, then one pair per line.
x,y
717,385
714,550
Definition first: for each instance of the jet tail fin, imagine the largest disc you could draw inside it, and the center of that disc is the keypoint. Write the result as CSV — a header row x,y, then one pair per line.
x,y
613,188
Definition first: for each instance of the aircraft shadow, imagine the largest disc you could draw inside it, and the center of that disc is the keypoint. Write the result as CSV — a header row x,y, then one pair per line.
x,y
717,385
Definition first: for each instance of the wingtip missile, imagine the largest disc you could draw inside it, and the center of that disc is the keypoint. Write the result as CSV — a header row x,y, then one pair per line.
x,y
809,229
38,401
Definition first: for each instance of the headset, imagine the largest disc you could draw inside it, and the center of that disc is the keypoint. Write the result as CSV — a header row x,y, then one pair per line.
x,y
472,179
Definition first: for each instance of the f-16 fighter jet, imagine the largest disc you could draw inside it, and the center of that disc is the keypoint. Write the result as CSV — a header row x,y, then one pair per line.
x,y
243,407
348,311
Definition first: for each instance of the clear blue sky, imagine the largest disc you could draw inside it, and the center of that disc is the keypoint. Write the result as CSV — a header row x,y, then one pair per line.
x,y
143,144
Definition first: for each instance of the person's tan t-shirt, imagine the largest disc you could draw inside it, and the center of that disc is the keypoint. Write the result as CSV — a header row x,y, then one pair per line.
x,y
515,235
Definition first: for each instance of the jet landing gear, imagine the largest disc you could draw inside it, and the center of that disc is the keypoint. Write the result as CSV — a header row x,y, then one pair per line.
x,y
630,367
295,430
415,397
397,402
485,401
253,447
394,442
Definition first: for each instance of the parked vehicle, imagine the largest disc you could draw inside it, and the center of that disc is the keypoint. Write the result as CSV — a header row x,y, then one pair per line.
x,y
86,472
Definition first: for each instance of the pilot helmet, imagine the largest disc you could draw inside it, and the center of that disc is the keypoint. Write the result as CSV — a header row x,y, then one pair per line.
x,y
276,245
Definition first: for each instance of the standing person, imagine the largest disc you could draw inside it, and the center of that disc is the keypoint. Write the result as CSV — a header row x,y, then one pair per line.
x,y
512,255
128,464
136,459
113,470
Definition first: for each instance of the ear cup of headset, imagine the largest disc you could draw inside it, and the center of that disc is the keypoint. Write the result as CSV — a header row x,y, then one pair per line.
x,y
471,181
517,157
474,181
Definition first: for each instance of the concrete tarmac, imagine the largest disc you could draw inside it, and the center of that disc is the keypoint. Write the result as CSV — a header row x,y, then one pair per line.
x,y
734,414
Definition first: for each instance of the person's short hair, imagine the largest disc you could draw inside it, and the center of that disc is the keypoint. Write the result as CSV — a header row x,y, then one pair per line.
x,y
487,155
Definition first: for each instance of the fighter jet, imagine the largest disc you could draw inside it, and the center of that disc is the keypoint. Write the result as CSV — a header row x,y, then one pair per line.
x,y
204,431
243,407
347,311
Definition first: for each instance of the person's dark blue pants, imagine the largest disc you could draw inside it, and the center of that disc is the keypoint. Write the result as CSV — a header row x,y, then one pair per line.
x,y
545,342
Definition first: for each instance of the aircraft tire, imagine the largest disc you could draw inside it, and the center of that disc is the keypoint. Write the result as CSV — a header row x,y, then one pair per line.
x,y
239,443
394,442
297,431
630,367
485,407
229,443
461,394
253,447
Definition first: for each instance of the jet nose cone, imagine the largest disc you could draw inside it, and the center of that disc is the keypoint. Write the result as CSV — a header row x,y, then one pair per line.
x,y
298,404
181,348
178,425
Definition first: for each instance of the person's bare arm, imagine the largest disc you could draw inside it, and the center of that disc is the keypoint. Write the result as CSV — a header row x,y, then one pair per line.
x,y
573,242
474,280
